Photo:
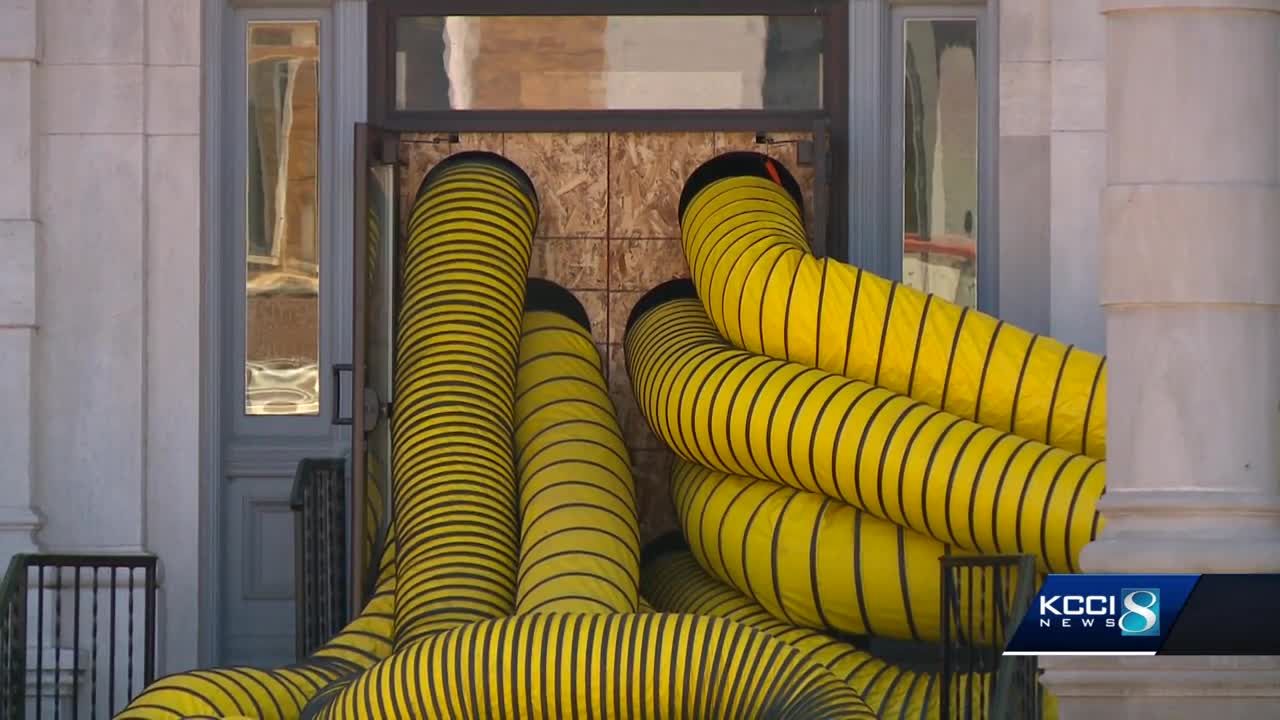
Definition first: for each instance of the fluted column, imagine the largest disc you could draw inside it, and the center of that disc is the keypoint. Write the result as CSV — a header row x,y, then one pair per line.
x,y
1191,294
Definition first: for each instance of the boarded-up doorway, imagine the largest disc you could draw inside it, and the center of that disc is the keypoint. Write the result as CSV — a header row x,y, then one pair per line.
x,y
609,233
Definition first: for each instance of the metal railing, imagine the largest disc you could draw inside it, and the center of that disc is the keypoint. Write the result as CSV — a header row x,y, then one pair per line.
x,y
983,598
77,634
319,504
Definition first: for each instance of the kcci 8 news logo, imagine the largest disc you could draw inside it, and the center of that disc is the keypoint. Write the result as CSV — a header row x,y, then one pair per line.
x,y
1149,614
1134,611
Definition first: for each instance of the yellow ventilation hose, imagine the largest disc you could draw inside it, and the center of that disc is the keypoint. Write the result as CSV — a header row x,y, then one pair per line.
x,y
677,583
818,563
744,239
623,667
375,527
277,694
579,535
464,273
961,483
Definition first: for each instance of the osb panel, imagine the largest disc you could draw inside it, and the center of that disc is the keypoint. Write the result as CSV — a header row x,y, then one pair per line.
x,y
783,150
640,264
604,359
570,172
575,263
652,471
595,302
419,152
489,142
646,173
635,429
734,141
609,233
620,304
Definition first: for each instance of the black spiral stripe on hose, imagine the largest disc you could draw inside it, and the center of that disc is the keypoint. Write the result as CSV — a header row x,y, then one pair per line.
x,y
745,243
866,442
464,280
579,533
738,164
281,693
676,583
473,671
773,524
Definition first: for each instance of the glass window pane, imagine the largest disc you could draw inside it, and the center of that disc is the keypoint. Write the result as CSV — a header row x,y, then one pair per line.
x,y
940,173
608,63
282,328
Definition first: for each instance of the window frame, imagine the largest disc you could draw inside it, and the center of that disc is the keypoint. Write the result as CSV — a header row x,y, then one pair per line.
x,y
832,118
876,136
988,252
235,251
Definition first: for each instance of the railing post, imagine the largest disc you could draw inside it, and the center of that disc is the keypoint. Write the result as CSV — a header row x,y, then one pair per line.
x,y
18,653
324,551
975,650
150,640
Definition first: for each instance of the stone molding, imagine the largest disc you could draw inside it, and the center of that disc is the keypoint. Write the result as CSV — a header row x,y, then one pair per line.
x,y
1118,6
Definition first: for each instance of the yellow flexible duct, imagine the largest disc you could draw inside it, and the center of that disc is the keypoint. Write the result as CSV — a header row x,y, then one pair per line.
x,y
959,482
744,239
464,273
623,667
279,694
579,536
818,563
375,518
676,582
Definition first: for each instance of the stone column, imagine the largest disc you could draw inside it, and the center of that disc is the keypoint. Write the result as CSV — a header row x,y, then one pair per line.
x,y
1191,291
19,235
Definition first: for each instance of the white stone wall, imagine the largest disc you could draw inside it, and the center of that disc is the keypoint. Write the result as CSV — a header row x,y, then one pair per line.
x,y
20,234
1023,169
1078,169
173,252
99,286
100,256
1052,166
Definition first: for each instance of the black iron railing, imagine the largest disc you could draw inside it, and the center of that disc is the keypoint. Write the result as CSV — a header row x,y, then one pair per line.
x,y
982,600
319,503
77,634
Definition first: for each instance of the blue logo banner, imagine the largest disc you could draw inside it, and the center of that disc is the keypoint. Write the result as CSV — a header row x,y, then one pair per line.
x,y
1101,614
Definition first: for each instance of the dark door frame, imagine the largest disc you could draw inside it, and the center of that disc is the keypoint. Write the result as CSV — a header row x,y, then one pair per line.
x,y
830,123
377,142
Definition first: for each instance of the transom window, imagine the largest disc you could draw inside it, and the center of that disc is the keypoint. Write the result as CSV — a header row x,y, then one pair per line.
x,y
608,62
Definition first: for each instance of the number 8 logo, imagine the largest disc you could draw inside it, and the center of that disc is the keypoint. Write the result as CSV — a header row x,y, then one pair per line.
x,y
1141,612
